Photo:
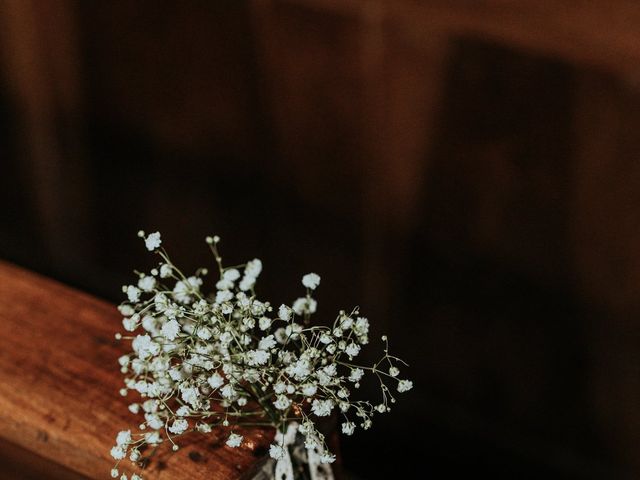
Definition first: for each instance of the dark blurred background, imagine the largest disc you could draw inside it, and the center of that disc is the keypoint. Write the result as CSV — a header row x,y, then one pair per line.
x,y
466,171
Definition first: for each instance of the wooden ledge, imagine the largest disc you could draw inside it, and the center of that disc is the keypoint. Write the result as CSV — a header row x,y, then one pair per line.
x,y
59,382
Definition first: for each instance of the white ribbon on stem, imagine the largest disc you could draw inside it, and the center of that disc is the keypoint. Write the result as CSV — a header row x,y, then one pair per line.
x,y
284,466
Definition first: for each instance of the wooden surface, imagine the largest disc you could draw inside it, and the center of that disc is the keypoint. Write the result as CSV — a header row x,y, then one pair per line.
x,y
598,33
17,463
59,383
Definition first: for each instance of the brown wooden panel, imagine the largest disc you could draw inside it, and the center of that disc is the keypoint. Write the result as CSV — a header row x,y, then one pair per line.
x,y
312,64
16,463
181,73
38,43
605,235
598,33
498,180
59,386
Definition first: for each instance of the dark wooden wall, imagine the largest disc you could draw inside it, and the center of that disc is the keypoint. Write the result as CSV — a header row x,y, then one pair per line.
x,y
465,171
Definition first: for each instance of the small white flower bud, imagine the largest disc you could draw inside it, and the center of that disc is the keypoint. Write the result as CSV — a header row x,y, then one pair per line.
x,y
311,281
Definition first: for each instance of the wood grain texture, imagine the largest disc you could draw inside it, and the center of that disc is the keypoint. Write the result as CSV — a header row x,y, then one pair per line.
x,y
59,385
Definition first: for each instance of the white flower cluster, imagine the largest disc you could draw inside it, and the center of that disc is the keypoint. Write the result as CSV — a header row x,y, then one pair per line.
x,y
225,359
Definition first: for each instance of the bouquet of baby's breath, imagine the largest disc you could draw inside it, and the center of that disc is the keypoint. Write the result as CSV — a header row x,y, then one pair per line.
x,y
228,359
